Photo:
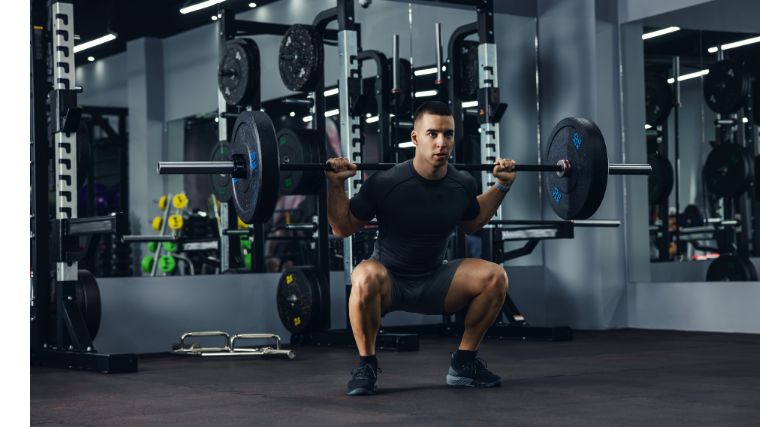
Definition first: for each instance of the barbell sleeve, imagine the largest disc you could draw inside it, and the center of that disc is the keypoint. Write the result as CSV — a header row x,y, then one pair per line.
x,y
630,169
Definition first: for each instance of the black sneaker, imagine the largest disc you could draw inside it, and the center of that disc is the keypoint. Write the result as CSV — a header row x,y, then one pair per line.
x,y
472,374
363,381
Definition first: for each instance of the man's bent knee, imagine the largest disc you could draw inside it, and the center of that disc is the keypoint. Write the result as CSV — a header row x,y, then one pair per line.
x,y
498,281
367,280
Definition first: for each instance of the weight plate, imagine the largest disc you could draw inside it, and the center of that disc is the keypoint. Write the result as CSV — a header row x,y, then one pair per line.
x,y
221,184
176,222
731,268
167,263
152,246
146,264
298,146
87,296
658,98
728,170
725,87
169,246
254,139
466,71
157,222
179,201
163,203
661,180
239,75
691,216
579,194
301,58
299,299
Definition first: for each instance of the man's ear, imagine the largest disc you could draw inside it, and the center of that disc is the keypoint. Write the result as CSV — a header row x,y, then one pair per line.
x,y
414,137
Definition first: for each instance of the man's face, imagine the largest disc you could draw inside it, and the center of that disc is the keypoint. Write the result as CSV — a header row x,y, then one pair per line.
x,y
434,137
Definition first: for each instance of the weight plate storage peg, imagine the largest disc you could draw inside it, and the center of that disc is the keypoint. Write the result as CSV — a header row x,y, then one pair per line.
x,y
239,72
221,184
299,299
579,194
301,58
725,87
254,139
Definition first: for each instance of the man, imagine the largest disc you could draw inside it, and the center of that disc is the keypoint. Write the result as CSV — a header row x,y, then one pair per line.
x,y
418,203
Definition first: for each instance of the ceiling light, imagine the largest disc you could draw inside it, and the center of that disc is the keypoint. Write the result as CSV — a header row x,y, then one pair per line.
x,y
745,120
92,43
735,44
425,71
214,18
661,32
646,126
689,76
372,119
90,58
468,104
307,119
332,113
252,5
425,93
292,114
408,144
331,92
199,6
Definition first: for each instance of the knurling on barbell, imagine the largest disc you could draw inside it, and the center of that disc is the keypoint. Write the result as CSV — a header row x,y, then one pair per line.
x,y
574,175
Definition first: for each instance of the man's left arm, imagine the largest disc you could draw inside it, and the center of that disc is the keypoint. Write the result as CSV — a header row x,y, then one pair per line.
x,y
490,200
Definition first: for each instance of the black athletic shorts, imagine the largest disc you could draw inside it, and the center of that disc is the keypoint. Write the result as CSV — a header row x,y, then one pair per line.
x,y
423,294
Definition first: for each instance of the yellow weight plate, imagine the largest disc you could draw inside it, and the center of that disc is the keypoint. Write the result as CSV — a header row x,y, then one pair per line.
x,y
157,223
179,201
241,224
163,202
175,222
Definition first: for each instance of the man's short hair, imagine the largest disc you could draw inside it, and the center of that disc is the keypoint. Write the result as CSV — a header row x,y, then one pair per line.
x,y
437,108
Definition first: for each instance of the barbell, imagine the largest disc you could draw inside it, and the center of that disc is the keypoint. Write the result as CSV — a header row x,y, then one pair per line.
x,y
575,175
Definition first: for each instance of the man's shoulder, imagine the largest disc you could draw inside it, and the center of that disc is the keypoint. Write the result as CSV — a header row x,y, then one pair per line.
x,y
389,177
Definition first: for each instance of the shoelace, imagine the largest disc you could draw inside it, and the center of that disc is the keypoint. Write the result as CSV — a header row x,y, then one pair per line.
x,y
365,371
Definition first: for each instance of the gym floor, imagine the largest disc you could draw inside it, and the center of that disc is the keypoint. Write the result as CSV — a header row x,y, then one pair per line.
x,y
620,378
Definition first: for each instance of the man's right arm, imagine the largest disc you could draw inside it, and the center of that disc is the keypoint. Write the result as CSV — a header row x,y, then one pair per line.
x,y
342,221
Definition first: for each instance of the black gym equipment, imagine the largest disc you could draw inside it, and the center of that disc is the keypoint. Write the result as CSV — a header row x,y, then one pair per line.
x,y
575,177
658,98
728,170
725,87
239,72
731,268
660,182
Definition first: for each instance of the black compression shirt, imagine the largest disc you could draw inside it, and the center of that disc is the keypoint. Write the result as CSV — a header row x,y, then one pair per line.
x,y
415,215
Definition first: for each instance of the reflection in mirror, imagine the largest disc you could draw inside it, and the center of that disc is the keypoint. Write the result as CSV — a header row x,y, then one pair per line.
x,y
702,115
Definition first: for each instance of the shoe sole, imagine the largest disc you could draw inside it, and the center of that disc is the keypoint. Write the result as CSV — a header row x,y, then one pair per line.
x,y
362,391
455,381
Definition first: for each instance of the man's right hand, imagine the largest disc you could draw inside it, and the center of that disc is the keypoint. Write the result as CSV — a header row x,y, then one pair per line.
x,y
342,169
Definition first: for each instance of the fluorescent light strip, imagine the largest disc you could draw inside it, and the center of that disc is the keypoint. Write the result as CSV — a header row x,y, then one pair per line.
x,y
661,32
735,44
425,71
646,126
330,113
689,76
408,144
92,43
425,93
469,104
199,6
331,92
372,119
